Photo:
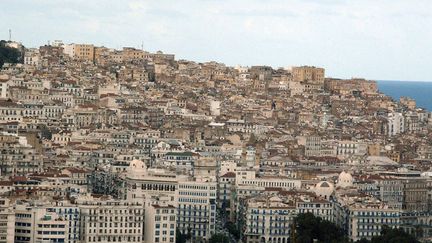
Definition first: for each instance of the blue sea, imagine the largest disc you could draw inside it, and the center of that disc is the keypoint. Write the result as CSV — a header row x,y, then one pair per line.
x,y
421,92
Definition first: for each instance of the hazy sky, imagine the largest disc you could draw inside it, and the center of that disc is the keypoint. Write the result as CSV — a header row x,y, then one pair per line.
x,y
376,39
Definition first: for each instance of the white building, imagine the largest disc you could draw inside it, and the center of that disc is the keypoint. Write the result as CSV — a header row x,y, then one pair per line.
x,y
71,214
34,224
366,221
348,148
268,219
142,183
249,178
110,220
4,86
345,179
196,209
32,57
396,123
317,206
215,107
313,146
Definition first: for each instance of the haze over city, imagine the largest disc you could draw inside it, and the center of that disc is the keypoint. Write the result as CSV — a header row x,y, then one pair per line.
x,y
383,40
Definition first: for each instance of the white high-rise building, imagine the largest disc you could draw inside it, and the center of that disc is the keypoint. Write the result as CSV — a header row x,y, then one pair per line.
x,y
396,123
196,209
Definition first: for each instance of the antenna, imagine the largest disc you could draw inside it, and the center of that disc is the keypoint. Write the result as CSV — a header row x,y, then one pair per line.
x,y
142,45
10,35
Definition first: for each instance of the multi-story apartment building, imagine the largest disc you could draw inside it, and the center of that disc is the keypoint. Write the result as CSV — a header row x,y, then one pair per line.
x,y
35,224
225,192
319,207
180,160
366,220
141,183
11,111
395,123
196,209
71,214
313,146
269,181
7,221
32,57
17,156
308,74
389,190
268,219
110,220
53,110
415,195
348,148
4,86
83,52
160,222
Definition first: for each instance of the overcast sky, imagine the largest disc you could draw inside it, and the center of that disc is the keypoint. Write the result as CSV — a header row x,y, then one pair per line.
x,y
375,39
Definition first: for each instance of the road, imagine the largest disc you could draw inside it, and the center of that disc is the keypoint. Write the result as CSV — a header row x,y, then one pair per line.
x,y
220,228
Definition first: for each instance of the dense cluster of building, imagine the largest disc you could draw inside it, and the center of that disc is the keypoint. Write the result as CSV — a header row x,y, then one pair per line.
x,y
104,145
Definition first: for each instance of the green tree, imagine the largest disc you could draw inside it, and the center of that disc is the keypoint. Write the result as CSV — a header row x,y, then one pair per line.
x,y
390,235
182,238
310,228
219,238
8,54
232,229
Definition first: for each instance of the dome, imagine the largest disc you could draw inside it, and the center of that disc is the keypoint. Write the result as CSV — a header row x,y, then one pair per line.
x,y
345,179
137,168
324,189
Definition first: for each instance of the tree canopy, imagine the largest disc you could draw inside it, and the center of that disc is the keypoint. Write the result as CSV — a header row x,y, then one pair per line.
x,y
8,54
219,238
310,228
390,235
232,229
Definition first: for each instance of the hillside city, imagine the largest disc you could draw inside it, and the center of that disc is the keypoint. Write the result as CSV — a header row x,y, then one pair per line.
x,y
106,145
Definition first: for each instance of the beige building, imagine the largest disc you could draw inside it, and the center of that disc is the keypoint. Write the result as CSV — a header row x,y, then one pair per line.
x,y
350,86
85,52
160,222
130,53
4,86
34,224
408,102
110,220
308,74
7,221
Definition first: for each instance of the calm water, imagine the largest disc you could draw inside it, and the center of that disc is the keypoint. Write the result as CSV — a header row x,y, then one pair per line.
x,y
421,92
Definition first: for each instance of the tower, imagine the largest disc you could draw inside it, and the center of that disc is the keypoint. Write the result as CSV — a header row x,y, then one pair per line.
x,y
10,35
